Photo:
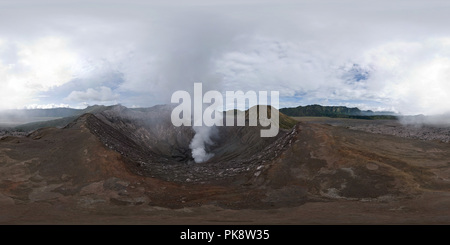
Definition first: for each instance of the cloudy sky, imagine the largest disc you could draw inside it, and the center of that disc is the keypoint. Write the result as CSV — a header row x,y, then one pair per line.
x,y
379,55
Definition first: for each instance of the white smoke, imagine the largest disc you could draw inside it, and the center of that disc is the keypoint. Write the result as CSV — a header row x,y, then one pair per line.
x,y
442,120
199,143
203,138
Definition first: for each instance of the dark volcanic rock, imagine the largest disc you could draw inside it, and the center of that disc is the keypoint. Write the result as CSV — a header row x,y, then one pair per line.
x,y
156,148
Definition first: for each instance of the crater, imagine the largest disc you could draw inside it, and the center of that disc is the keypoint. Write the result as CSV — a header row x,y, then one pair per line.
x,y
155,147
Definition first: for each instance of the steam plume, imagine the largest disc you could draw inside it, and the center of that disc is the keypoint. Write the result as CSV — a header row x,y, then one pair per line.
x,y
199,143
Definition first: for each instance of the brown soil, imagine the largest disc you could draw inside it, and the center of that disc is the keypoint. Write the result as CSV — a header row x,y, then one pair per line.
x,y
312,174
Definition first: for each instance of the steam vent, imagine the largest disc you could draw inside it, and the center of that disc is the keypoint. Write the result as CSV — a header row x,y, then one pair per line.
x,y
111,164
148,139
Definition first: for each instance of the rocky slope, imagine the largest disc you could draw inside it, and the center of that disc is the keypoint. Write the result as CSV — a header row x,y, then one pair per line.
x,y
123,166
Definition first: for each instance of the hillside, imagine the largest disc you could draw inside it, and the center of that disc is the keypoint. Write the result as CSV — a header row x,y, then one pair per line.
x,y
122,166
57,117
32,119
335,111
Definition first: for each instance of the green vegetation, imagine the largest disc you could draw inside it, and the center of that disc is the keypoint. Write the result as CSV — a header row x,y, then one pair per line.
x,y
285,122
336,112
63,116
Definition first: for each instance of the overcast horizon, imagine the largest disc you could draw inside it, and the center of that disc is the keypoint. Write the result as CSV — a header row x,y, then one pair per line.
x,y
375,55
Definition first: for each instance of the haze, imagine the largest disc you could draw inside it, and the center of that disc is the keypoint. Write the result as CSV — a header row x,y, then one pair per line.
x,y
378,55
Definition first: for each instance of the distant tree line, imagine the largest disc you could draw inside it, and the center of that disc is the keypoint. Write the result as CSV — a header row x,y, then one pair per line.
x,y
336,112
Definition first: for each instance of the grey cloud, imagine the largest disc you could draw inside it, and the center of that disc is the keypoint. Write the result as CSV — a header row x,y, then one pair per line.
x,y
102,94
152,48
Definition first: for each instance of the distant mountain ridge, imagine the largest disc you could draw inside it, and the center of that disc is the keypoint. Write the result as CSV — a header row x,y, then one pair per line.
x,y
335,111
51,112
38,118
285,122
59,117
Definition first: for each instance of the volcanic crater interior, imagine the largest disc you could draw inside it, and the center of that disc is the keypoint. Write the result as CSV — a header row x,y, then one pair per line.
x,y
154,147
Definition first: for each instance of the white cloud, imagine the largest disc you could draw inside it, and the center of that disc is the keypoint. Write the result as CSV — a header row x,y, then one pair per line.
x,y
412,76
45,106
307,50
102,94
39,65
406,76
